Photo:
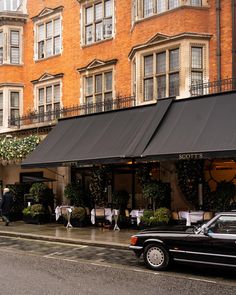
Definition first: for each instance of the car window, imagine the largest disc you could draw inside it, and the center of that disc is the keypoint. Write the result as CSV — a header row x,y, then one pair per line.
x,y
224,225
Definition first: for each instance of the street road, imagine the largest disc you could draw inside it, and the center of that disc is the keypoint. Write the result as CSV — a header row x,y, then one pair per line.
x,y
37,267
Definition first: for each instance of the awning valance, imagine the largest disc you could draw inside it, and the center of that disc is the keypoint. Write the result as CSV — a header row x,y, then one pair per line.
x,y
100,138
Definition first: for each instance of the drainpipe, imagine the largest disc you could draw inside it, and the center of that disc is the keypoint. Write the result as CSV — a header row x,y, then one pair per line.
x,y
233,44
218,34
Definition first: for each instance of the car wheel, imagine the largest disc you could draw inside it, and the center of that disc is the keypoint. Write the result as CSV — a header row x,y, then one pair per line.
x,y
156,257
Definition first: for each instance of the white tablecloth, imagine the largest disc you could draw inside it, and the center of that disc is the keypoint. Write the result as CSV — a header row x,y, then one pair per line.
x,y
138,214
64,209
192,216
108,214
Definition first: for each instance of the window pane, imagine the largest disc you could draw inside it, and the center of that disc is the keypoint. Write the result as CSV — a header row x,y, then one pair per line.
x,y
57,93
1,39
89,15
15,37
161,62
174,85
48,108
99,31
161,86
108,81
98,83
41,49
196,2
89,85
41,96
1,5
57,45
1,117
147,8
1,55
15,55
89,34
89,104
41,32
14,4
108,8
161,6
174,59
49,94
98,101
49,30
57,27
107,23
98,11
196,77
148,65
14,99
108,103
196,58
173,4
49,47
148,89
8,5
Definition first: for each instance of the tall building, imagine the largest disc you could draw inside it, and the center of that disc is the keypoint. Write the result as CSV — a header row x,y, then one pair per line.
x,y
64,58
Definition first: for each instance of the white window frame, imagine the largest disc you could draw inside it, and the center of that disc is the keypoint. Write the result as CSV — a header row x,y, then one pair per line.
x,y
185,66
43,22
45,85
5,7
7,90
7,46
95,22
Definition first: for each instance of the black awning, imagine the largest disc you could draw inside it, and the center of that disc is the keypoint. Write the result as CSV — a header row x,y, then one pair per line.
x,y
104,137
194,128
31,179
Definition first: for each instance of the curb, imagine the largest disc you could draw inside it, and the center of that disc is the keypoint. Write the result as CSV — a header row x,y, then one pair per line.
x,y
64,241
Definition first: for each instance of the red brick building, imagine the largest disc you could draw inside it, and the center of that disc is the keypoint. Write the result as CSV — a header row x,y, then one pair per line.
x,y
60,58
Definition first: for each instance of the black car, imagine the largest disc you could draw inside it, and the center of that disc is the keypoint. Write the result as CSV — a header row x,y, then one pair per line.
x,y
214,243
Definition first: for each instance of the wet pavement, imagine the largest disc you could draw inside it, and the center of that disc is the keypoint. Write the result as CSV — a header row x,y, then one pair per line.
x,y
95,236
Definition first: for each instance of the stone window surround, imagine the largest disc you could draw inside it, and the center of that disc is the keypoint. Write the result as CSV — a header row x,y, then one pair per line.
x,y
93,72
43,20
137,10
184,45
6,89
44,84
83,5
6,29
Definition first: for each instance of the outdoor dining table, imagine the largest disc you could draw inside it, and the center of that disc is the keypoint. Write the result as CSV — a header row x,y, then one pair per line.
x,y
109,213
191,216
136,214
64,209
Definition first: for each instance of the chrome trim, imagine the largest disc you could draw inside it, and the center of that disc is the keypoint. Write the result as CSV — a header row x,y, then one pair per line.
x,y
136,247
204,262
203,253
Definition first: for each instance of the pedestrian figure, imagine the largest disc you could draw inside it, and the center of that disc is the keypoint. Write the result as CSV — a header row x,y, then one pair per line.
x,y
6,205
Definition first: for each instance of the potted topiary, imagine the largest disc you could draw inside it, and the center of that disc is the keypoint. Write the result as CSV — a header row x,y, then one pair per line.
x,y
160,217
35,214
78,217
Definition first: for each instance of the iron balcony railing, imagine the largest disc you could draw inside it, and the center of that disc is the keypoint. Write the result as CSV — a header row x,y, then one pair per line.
x,y
75,110
218,86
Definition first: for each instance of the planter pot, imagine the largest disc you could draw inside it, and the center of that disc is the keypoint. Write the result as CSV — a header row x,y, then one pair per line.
x,y
38,219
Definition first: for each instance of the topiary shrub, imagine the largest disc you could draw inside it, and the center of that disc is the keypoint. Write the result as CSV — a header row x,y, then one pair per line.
x,y
163,215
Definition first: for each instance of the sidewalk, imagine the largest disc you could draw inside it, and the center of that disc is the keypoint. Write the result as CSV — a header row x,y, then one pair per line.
x,y
58,233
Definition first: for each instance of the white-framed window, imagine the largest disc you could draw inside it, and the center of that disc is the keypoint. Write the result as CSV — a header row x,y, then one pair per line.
x,y
11,45
98,95
14,107
10,5
161,74
196,65
146,8
98,21
48,38
14,47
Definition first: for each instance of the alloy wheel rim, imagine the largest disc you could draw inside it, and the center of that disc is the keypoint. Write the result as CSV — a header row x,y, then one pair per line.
x,y
155,256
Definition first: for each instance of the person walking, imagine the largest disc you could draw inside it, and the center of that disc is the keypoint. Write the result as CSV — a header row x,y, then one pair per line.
x,y
6,205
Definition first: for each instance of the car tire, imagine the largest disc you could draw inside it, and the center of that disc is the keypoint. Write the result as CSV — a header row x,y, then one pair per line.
x,y
156,257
